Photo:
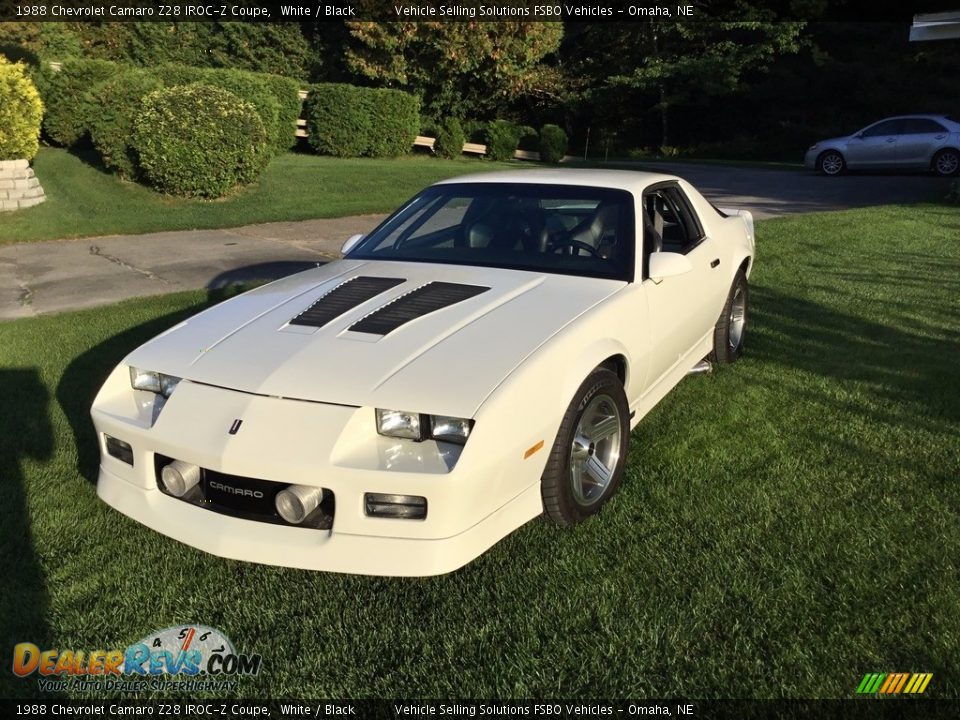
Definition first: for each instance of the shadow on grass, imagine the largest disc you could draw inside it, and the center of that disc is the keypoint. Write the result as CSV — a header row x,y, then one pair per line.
x,y
25,434
86,373
83,377
914,368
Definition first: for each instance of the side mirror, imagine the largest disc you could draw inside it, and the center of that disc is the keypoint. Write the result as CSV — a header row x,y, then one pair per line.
x,y
858,135
351,243
668,264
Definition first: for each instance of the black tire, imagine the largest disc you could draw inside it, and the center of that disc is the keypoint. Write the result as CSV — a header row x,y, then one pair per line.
x,y
831,163
602,389
946,163
727,342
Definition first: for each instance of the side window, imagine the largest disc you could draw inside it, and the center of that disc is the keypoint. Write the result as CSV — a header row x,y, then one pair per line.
x,y
887,127
922,126
669,222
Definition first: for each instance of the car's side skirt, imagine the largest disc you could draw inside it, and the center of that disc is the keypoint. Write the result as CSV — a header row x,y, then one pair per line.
x,y
669,380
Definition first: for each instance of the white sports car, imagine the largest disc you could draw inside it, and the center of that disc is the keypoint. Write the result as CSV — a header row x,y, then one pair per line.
x,y
477,360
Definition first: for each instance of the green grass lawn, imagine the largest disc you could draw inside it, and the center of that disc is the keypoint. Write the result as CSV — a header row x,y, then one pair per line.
x,y
786,525
85,201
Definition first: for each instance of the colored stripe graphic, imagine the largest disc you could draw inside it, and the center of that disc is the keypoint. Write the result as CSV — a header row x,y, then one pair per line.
x,y
894,683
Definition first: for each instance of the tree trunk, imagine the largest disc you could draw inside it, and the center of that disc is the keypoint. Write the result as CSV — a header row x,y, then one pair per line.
x,y
664,125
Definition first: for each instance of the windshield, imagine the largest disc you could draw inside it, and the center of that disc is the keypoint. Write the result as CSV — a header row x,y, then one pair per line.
x,y
562,229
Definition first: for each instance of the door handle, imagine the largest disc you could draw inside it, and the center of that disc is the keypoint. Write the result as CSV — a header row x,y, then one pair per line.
x,y
891,139
715,263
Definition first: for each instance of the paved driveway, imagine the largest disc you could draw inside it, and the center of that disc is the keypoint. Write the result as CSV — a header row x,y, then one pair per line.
x,y
772,193
62,275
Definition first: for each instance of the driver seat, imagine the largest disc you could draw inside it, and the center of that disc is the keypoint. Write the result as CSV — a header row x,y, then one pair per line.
x,y
596,230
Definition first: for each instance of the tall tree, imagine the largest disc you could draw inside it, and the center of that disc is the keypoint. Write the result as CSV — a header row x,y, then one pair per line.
x,y
664,63
460,68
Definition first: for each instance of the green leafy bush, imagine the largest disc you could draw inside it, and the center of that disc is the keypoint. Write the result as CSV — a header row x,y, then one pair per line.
x,y
553,143
475,131
286,91
450,139
528,138
348,121
20,113
395,119
64,94
199,140
502,140
337,121
275,98
117,104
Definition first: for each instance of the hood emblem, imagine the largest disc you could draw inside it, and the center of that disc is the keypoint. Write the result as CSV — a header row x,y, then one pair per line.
x,y
235,426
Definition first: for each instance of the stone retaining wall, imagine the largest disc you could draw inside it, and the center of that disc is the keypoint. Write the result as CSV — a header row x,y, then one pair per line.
x,y
19,187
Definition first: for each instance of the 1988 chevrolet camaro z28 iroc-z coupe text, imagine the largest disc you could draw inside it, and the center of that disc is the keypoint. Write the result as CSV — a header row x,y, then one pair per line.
x,y
477,360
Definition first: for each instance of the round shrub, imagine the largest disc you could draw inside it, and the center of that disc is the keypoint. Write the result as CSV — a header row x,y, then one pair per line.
x,y
337,121
64,94
20,113
394,120
553,143
502,140
450,139
528,138
199,140
115,105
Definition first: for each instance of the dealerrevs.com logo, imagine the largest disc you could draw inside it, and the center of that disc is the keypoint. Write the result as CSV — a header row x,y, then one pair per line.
x,y
183,657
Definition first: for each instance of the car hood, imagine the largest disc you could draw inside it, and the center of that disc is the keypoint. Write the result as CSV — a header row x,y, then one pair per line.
x,y
443,359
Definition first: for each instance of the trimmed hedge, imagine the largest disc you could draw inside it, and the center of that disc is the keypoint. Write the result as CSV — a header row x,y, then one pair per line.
x,y
450,139
528,138
349,121
553,143
199,140
502,140
275,98
20,113
337,122
118,102
64,93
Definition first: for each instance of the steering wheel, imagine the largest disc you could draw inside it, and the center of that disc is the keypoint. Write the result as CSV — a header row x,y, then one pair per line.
x,y
579,244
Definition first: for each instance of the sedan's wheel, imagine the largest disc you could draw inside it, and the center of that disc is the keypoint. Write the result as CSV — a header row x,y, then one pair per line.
x,y
830,163
946,163
731,329
587,461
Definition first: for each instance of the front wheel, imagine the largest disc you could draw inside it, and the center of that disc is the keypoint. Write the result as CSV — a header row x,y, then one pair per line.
x,y
588,457
831,163
731,329
946,162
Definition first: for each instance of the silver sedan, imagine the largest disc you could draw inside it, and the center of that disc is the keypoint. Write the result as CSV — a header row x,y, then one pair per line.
x,y
908,142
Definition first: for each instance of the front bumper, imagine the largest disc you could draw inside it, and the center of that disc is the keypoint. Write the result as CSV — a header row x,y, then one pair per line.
x,y
474,497
330,551
810,159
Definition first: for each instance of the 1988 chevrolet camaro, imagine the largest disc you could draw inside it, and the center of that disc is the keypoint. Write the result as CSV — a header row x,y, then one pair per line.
x,y
477,360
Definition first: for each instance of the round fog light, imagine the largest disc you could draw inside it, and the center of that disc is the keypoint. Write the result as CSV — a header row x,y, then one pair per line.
x,y
179,477
296,502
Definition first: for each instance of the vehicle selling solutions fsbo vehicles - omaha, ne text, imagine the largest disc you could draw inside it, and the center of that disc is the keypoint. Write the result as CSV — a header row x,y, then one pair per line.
x,y
477,360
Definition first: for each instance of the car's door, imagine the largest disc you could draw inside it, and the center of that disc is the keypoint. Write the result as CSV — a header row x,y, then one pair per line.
x,y
682,308
875,146
919,139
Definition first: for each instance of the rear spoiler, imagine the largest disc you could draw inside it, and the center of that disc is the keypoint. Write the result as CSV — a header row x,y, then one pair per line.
x,y
745,214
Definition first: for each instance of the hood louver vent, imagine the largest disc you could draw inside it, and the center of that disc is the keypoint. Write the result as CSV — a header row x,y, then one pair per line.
x,y
343,298
427,299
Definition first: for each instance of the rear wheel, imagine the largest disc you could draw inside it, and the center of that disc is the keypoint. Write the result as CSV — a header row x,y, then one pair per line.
x,y
830,163
946,162
731,329
588,457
